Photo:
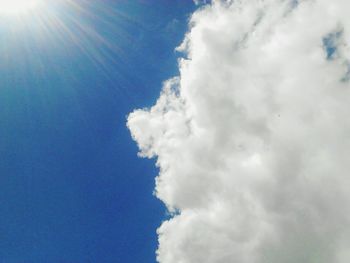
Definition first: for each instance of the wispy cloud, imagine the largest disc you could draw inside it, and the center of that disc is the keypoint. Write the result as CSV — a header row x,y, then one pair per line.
x,y
253,138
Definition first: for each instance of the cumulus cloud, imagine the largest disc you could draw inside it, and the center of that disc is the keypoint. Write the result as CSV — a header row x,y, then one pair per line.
x,y
253,138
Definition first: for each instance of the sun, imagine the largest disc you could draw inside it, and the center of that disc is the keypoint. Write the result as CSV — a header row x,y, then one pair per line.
x,y
13,7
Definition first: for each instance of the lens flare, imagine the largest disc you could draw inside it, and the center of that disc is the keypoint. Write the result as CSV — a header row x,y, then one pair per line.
x,y
9,7
41,31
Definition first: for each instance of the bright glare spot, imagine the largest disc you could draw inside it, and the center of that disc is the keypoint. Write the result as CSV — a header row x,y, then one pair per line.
x,y
16,6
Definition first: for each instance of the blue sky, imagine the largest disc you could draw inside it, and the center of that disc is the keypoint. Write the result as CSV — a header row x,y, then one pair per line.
x,y
72,188
251,139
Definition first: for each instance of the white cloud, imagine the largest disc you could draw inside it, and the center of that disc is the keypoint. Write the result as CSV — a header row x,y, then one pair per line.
x,y
253,138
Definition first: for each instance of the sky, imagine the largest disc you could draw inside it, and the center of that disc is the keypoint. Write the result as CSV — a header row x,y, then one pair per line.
x,y
175,131
72,188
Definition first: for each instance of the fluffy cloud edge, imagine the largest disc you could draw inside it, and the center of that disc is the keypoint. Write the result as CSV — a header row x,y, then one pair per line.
x,y
252,138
